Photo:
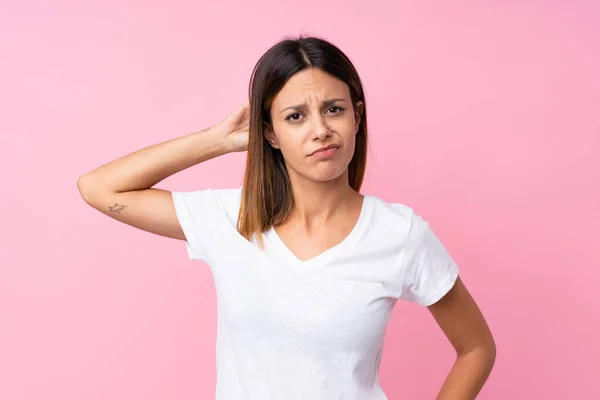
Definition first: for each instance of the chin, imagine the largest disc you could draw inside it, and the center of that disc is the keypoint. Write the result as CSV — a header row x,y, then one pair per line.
x,y
327,175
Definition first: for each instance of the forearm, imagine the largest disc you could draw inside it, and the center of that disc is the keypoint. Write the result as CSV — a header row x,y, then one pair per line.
x,y
467,376
144,168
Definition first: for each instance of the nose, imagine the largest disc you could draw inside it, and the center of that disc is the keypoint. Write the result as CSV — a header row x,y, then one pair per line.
x,y
320,129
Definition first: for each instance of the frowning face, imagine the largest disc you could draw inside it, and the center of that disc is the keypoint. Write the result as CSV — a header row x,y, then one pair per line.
x,y
314,125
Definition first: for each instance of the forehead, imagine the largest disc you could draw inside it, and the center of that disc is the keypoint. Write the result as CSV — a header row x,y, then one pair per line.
x,y
310,84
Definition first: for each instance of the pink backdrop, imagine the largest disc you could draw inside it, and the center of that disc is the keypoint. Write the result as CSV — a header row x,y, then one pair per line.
x,y
484,117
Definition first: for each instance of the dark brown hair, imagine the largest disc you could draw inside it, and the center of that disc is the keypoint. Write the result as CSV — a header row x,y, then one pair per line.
x,y
267,193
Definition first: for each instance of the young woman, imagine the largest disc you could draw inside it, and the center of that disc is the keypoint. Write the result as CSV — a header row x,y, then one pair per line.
x,y
307,270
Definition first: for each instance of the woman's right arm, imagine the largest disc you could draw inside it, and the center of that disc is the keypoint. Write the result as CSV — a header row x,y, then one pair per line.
x,y
122,189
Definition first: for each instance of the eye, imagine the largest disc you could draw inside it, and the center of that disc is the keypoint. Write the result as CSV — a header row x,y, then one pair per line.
x,y
340,108
291,116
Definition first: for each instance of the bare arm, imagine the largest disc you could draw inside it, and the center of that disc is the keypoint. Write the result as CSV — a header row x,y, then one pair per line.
x,y
122,189
145,168
460,319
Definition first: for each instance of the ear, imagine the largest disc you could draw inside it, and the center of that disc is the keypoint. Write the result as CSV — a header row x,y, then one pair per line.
x,y
270,135
358,114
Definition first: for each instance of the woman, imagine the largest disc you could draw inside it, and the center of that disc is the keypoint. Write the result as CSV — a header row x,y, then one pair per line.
x,y
307,270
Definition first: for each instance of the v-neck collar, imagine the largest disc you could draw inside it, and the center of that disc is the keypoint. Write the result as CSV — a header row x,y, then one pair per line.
x,y
329,254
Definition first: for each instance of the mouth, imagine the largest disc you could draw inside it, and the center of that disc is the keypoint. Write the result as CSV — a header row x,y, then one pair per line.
x,y
322,149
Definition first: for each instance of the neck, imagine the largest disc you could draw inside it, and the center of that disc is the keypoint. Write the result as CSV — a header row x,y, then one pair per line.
x,y
315,203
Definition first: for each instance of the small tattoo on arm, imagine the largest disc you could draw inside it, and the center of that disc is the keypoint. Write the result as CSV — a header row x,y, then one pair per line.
x,y
116,208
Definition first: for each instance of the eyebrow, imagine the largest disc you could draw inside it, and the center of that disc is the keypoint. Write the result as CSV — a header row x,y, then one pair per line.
x,y
302,106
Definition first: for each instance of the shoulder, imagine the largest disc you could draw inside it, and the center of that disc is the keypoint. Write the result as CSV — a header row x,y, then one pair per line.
x,y
204,215
228,197
393,213
397,220
210,203
227,201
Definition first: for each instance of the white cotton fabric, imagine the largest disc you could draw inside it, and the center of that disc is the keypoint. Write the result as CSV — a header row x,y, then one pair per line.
x,y
293,329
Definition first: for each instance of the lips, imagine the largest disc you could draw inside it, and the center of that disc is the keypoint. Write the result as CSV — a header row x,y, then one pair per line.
x,y
331,146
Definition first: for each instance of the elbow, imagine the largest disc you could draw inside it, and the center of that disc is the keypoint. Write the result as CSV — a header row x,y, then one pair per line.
x,y
80,182
490,349
484,353
86,188
489,355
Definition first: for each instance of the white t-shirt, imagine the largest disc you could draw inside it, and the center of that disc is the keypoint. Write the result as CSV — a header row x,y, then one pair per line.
x,y
293,329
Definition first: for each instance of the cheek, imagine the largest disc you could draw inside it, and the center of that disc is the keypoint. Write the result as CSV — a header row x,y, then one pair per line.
x,y
349,144
292,154
289,144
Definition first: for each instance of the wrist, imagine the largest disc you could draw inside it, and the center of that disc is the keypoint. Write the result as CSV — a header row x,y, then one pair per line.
x,y
214,140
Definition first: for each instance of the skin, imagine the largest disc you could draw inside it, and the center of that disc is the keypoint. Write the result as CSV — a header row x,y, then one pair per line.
x,y
326,209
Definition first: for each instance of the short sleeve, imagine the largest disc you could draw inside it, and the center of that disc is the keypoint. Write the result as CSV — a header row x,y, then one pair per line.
x,y
429,272
194,210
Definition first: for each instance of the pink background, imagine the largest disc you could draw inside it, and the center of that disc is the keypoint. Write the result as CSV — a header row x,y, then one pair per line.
x,y
483,116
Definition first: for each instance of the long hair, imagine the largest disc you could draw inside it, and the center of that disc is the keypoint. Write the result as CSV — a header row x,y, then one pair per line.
x,y
267,196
